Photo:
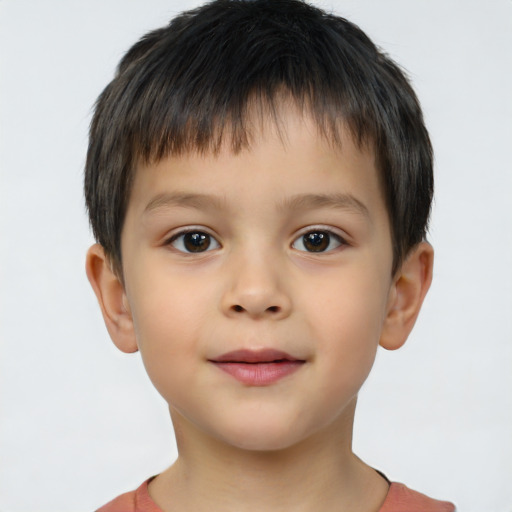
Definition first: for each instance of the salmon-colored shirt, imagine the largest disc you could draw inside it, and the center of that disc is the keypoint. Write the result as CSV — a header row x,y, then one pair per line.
x,y
399,499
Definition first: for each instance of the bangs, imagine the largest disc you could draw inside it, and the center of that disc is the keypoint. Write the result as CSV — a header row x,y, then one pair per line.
x,y
216,74
194,89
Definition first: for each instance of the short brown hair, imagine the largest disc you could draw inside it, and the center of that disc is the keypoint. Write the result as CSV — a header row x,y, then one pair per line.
x,y
188,86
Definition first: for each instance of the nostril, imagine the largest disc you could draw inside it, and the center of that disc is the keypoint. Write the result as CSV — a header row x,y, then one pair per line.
x,y
271,309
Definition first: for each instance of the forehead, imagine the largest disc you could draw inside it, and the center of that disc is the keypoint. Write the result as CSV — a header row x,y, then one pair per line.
x,y
284,131
281,121
288,154
285,180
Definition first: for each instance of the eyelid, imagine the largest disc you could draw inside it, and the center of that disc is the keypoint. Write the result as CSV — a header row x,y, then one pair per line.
x,y
183,230
334,232
322,227
179,232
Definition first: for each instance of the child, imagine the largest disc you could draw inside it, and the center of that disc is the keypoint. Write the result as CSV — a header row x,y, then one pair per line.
x,y
259,181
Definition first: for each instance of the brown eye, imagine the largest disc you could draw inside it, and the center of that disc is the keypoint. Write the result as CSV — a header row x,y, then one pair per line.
x,y
317,241
194,241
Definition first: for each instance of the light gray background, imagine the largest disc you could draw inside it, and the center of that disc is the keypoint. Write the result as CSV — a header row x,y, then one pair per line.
x,y
80,422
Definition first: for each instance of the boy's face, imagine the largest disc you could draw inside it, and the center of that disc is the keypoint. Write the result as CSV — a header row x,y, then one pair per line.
x,y
282,251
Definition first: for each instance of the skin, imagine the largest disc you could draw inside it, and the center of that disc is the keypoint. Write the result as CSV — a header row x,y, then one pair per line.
x,y
287,445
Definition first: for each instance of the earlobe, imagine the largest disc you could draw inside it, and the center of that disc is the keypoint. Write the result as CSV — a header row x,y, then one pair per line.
x,y
407,293
112,299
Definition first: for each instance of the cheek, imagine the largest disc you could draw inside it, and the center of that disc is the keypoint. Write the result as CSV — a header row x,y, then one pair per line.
x,y
169,322
351,308
347,323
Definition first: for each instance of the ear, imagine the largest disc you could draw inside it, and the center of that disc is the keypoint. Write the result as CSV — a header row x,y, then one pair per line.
x,y
112,299
410,285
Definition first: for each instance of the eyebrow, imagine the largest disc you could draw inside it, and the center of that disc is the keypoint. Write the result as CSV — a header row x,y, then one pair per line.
x,y
315,201
297,202
184,199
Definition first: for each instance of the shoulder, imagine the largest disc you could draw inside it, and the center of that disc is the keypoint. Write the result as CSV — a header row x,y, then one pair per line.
x,y
402,499
123,503
134,501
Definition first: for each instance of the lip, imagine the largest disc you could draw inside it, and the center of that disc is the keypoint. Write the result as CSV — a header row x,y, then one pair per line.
x,y
257,367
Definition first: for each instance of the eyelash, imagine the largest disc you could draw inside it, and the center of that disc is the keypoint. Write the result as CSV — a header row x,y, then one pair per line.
x,y
327,236
179,239
323,242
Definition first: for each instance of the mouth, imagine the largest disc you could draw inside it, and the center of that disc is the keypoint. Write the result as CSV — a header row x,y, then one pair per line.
x,y
257,367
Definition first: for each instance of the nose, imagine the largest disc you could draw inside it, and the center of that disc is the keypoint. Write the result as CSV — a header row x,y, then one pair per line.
x,y
256,289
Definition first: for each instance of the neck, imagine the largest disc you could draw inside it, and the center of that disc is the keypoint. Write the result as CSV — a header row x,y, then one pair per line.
x,y
319,473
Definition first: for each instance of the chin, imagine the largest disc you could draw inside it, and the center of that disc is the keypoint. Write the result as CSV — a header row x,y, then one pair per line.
x,y
261,437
